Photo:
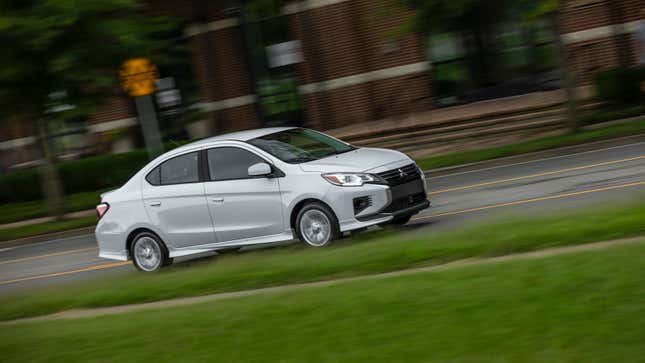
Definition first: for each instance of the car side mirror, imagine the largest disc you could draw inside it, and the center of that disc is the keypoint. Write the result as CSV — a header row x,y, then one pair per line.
x,y
260,169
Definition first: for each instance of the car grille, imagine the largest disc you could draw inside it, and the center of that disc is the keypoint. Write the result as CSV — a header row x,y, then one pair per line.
x,y
400,175
404,202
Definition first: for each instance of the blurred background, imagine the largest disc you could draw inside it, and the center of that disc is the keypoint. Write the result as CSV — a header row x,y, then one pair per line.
x,y
91,90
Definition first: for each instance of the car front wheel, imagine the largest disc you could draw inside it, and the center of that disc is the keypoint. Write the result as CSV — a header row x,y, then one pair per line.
x,y
316,225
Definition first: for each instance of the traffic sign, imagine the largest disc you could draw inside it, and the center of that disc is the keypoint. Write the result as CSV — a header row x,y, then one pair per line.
x,y
138,76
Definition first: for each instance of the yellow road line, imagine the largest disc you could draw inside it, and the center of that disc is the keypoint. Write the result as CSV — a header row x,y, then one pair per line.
x,y
69,252
537,175
533,200
85,269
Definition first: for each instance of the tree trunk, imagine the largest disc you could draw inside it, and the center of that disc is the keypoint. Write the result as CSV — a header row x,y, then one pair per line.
x,y
567,76
50,180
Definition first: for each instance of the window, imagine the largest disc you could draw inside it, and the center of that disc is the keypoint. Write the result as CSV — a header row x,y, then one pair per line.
x,y
226,163
178,170
154,177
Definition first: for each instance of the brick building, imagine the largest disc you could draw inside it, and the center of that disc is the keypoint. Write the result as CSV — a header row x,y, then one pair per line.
x,y
329,63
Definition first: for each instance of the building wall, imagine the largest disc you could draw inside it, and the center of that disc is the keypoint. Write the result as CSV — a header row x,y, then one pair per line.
x,y
589,28
351,38
339,39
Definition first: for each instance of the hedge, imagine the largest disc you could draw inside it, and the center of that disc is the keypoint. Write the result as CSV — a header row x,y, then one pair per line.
x,y
83,175
619,86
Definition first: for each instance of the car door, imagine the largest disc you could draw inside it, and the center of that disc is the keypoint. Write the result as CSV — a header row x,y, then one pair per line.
x,y
241,206
174,199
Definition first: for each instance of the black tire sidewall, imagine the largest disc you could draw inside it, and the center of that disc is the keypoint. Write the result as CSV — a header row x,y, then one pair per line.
x,y
335,228
165,260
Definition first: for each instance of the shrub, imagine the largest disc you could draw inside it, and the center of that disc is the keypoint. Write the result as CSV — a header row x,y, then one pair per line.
x,y
619,86
83,175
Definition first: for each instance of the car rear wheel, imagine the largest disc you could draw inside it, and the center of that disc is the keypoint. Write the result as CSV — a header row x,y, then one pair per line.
x,y
149,253
316,225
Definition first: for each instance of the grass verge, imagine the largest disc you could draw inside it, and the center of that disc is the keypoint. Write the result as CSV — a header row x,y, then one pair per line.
x,y
14,212
350,257
12,233
575,308
545,143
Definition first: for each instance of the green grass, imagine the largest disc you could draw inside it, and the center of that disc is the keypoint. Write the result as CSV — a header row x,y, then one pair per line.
x,y
13,212
545,143
12,233
350,257
612,113
585,307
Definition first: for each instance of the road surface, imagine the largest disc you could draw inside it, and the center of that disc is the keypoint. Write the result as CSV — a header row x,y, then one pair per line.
x,y
591,178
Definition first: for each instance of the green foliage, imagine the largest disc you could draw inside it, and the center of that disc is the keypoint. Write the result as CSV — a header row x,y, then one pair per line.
x,y
14,212
89,174
75,46
83,175
619,86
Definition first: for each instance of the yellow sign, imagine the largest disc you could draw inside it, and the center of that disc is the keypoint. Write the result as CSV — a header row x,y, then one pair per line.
x,y
138,76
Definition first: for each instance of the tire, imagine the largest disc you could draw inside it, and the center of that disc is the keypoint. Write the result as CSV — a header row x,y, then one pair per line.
x,y
149,253
317,225
399,221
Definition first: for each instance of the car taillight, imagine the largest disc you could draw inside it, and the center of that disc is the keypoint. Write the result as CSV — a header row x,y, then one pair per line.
x,y
101,209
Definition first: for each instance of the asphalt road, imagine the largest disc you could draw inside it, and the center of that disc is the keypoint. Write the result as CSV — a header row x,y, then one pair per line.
x,y
587,179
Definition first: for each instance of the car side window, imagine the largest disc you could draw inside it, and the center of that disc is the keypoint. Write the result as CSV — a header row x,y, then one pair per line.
x,y
178,170
154,177
227,163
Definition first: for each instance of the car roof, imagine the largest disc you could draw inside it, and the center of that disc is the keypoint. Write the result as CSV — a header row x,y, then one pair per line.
x,y
245,135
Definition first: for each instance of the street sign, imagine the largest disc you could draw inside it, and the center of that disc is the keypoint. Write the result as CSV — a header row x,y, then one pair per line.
x,y
138,76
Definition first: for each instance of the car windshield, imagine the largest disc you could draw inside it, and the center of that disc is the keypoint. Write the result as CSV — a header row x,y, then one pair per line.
x,y
300,145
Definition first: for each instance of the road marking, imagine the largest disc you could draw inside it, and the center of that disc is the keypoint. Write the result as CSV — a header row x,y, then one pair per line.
x,y
533,200
538,175
48,255
532,161
85,269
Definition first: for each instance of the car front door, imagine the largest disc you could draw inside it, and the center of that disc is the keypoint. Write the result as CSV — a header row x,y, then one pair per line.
x,y
241,206
176,204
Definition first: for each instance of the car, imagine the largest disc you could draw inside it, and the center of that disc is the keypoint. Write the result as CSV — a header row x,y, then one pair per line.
x,y
255,187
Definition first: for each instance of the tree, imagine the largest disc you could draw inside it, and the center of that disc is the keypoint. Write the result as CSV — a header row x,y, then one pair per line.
x,y
74,47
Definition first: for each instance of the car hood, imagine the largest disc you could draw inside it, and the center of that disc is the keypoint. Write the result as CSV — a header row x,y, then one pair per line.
x,y
360,160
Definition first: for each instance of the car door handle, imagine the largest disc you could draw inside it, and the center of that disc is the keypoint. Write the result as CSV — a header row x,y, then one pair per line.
x,y
155,204
218,200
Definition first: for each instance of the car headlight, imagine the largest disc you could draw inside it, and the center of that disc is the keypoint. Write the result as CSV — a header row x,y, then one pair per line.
x,y
352,179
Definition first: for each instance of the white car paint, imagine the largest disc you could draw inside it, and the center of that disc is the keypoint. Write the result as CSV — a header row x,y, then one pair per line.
x,y
205,215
